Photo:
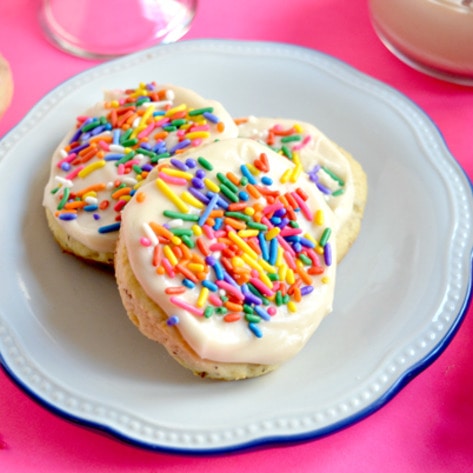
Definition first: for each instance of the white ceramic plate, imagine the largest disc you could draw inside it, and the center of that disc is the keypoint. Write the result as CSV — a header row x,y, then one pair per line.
x,y
402,290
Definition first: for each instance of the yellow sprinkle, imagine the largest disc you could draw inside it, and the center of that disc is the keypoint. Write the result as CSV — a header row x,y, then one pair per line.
x,y
142,124
202,299
325,280
89,194
252,169
197,230
177,173
290,279
285,177
138,184
242,244
291,306
319,250
266,266
171,195
175,240
248,233
237,262
252,263
249,211
319,217
196,267
211,185
174,110
280,257
311,238
92,167
273,233
114,103
296,172
170,255
282,272
188,198
298,128
125,197
197,134
296,158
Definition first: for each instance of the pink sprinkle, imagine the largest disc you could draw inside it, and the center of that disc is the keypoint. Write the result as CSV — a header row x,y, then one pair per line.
x,y
199,128
215,300
285,245
104,145
234,291
121,169
303,143
288,231
303,206
209,233
272,208
196,142
184,305
162,122
265,290
145,241
271,310
144,133
221,233
217,246
67,159
290,260
74,173
178,181
168,268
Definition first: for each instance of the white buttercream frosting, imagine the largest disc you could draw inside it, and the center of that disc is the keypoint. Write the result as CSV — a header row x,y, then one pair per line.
x,y
130,130
287,322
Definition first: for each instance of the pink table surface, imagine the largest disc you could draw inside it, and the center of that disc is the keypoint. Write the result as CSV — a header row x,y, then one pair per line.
x,y
428,426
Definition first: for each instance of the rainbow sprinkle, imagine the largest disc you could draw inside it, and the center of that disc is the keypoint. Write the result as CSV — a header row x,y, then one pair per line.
x,y
138,130
254,257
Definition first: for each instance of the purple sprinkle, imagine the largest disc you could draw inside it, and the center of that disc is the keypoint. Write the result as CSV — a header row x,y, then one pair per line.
x,y
191,163
173,320
210,260
66,216
328,254
230,280
323,189
306,242
65,166
306,290
79,148
96,217
178,164
199,196
250,298
280,212
75,136
181,145
211,117
197,183
283,222
200,174
147,167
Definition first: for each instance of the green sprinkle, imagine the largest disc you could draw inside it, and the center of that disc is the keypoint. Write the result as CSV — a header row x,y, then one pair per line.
x,y
286,299
229,194
325,236
188,241
146,152
305,259
90,126
65,198
278,298
257,226
137,169
142,100
338,192
126,135
181,231
333,175
293,224
286,151
182,216
224,180
243,181
204,163
179,122
129,156
157,157
169,128
208,312
273,276
200,111
290,138
253,318
238,215
247,309
221,310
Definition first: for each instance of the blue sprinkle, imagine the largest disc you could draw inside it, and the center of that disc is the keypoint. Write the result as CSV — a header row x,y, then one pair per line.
x,y
116,136
243,196
218,223
263,245
91,208
67,216
255,329
211,286
113,227
180,145
188,283
211,117
173,320
114,156
262,312
273,251
266,180
65,166
246,172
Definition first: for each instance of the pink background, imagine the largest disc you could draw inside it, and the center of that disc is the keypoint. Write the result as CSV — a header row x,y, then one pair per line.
x,y
428,426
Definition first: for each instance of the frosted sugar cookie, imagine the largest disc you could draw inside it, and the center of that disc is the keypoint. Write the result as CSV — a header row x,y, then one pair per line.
x,y
225,257
99,165
333,170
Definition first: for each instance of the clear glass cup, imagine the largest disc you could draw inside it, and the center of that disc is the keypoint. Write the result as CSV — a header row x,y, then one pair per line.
x,y
103,29
432,36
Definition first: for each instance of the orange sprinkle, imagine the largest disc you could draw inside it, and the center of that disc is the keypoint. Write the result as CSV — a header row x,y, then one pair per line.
x,y
235,206
233,179
161,135
120,192
185,272
157,254
140,197
104,204
232,317
76,204
217,213
160,270
175,290
160,230
297,295
233,306
315,270
92,188
240,121
220,127
202,245
253,191
235,223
